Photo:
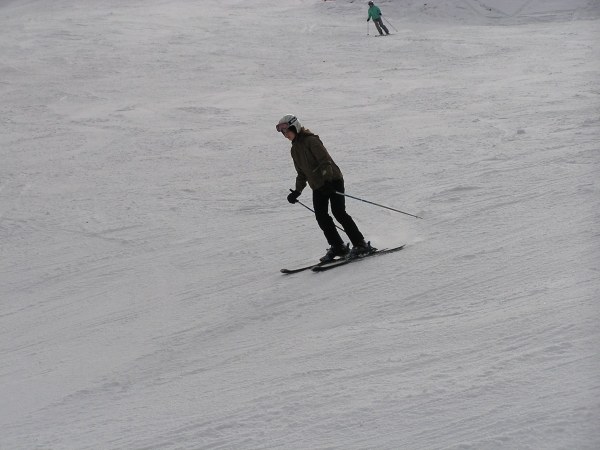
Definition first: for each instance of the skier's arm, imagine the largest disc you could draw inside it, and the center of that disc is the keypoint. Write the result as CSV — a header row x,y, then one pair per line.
x,y
323,159
300,179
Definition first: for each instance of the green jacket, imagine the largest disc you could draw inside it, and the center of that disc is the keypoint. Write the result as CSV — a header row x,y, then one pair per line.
x,y
312,161
374,13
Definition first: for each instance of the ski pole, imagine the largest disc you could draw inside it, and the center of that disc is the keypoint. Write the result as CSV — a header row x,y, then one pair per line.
x,y
367,27
339,228
376,204
312,210
389,23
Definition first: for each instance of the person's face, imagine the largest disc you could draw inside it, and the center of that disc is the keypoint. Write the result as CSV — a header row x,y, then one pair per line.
x,y
289,133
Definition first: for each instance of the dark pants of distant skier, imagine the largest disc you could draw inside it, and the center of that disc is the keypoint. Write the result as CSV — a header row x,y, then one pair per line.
x,y
379,25
338,209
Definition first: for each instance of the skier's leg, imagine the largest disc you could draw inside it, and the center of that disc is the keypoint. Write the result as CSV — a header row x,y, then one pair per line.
x,y
383,26
378,26
321,207
338,209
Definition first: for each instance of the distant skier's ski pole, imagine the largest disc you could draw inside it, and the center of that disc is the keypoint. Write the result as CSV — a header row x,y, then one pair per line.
x,y
367,27
312,210
376,204
389,23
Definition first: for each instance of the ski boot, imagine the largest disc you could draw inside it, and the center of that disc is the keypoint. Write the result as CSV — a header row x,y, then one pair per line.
x,y
335,250
361,248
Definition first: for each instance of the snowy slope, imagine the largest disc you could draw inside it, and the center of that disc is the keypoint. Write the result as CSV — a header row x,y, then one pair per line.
x,y
143,224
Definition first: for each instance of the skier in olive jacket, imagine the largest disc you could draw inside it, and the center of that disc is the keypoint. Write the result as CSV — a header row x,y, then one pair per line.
x,y
314,166
375,14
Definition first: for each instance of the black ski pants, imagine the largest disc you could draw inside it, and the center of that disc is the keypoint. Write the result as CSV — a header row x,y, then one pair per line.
x,y
321,203
379,24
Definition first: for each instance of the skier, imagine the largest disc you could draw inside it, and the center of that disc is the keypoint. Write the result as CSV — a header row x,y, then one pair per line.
x,y
375,14
314,165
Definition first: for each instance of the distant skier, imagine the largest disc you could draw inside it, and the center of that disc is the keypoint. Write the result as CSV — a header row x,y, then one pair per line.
x,y
375,14
314,165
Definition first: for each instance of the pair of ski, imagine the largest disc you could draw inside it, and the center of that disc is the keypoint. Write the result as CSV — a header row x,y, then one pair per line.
x,y
327,265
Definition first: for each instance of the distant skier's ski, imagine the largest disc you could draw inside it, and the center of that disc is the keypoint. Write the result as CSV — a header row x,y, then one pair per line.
x,y
301,269
343,262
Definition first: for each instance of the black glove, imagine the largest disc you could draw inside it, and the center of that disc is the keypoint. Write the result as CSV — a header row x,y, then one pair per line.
x,y
328,189
293,197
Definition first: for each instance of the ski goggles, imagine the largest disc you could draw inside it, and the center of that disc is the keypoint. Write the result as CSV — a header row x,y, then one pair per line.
x,y
281,127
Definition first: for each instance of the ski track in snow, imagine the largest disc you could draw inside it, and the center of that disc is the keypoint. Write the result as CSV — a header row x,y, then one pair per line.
x,y
143,224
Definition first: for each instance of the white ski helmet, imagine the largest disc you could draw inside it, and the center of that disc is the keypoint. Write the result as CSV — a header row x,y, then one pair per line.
x,y
287,121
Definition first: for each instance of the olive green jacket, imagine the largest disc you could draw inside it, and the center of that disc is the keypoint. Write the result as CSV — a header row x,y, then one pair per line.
x,y
312,161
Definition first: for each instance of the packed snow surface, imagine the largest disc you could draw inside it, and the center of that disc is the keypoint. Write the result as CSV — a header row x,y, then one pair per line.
x,y
144,221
